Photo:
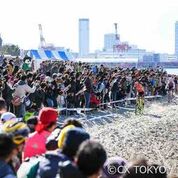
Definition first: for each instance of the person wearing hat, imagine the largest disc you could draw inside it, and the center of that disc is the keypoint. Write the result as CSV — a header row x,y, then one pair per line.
x,y
35,144
6,153
7,116
73,139
18,131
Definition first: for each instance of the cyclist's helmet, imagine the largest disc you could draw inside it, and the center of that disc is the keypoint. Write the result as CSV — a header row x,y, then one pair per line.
x,y
18,130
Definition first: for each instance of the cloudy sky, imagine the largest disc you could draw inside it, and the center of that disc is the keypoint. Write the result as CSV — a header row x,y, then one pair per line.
x,y
146,23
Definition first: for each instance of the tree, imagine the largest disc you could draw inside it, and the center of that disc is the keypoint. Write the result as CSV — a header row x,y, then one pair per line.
x,y
12,50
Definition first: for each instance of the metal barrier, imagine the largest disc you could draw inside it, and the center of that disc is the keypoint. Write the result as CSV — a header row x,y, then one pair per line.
x,y
83,117
130,99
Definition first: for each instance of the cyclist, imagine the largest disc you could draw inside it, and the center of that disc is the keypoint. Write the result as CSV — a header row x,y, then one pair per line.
x,y
139,97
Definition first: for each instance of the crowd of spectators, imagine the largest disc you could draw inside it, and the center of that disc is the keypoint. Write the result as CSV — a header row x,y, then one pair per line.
x,y
61,84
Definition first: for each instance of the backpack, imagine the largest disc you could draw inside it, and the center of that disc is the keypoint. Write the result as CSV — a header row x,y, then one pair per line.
x,y
29,167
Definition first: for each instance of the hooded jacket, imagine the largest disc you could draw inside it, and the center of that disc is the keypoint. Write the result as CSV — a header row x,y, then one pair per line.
x,y
21,88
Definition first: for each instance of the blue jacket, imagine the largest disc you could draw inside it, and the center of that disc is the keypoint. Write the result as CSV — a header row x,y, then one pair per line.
x,y
48,167
6,170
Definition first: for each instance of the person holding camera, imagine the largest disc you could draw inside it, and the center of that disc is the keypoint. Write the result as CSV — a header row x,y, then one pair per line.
x,y
20,95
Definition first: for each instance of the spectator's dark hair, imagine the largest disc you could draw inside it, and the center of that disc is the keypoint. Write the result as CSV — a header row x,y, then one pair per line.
x,y
48,73
32,120
43,85
2,104
6,146
90,157
16,69
74,122
23,77
29,75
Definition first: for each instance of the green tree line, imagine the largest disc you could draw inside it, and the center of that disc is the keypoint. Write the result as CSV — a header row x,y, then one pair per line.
x,y
13,50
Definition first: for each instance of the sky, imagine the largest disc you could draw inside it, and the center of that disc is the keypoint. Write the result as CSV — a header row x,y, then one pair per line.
x,y
149,24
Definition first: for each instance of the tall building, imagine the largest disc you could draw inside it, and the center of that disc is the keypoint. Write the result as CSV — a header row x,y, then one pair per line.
x,y
176,38
0,42
109,41
83,37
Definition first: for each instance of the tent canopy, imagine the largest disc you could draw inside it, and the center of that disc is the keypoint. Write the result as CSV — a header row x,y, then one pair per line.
x,y
62,55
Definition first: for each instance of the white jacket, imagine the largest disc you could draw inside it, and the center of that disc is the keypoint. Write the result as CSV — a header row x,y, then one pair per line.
x,y
22,90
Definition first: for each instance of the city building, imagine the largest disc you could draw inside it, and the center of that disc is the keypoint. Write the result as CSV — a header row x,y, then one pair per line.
x,y
176,38
0,41
83,37
109,41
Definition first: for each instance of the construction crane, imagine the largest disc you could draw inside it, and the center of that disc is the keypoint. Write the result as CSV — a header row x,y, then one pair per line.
x,y
118,45
42,39
117,38
116,32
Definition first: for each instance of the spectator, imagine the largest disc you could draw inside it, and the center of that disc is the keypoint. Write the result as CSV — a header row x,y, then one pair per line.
x,y
21,89
90,158
19,132
51,161
6,153
35,144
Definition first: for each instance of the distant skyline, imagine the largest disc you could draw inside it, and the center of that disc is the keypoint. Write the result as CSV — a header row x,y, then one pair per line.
x,y
149,24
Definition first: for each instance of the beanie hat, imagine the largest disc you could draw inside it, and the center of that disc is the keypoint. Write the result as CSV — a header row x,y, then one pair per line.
x,y
62,135
74,138
46,116
118,165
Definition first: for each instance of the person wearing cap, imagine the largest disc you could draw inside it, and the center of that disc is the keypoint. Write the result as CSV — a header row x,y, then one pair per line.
x,y
18,131
58,139
35,144
74,138
7,116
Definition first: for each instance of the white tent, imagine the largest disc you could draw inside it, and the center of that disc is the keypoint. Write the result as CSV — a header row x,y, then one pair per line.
x,y
43,54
